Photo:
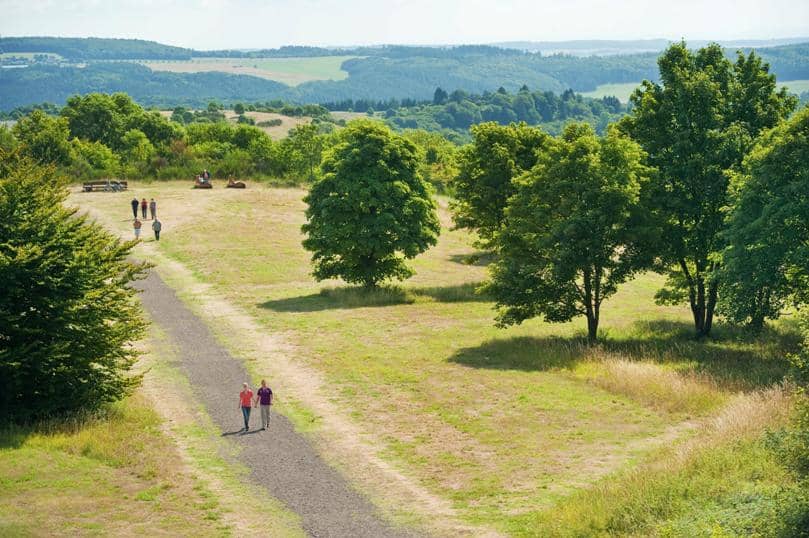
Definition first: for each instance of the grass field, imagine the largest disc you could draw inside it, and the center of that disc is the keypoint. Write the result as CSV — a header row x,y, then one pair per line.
x,y
519,429
291,71
620,90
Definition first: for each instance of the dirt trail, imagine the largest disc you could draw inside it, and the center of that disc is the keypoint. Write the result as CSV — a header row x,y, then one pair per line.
x,y
280,459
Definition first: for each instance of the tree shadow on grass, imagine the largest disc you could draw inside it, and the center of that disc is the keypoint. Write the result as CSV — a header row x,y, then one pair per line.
x,y
358,297
479,259
735,359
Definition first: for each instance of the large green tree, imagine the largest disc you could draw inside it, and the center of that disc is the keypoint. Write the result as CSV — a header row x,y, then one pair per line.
x,y
371,210
68,315
696,126
44,138
573,231
766,261
487,168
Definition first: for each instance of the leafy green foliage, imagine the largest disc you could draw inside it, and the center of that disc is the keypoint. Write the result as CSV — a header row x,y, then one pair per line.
x,y
371,210
487,169
454,115
67,313
44,138
767,258
439,164
696,128
572,230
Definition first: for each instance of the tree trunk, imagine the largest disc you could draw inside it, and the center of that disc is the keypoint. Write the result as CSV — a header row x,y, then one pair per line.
x,y
591,307
592,328
697,299
713,290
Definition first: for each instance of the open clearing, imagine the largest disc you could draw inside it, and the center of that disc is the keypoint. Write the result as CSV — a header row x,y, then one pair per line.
x,y
508,426
276,132
621,90
624,90
290,71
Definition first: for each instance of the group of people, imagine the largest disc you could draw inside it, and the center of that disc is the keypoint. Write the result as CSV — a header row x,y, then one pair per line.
x,y
248,401
144,206
204,177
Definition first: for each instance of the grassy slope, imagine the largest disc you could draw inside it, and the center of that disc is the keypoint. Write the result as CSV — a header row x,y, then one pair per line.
x,y
505,423
115,474
291,71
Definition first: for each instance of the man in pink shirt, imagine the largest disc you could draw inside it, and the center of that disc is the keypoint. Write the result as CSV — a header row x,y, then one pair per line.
x,y
245,402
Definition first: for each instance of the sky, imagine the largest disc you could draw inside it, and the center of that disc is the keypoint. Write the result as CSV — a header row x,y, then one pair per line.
x,y
216,24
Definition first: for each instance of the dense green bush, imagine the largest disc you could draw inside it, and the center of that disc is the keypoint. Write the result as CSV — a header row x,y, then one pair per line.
x,y
67,311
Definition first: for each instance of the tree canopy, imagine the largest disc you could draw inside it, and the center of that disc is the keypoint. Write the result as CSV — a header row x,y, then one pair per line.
x,y
67,314
371,210
696,128
766,262
487,168
573,230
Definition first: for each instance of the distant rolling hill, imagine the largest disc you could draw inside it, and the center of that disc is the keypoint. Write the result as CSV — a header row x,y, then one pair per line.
x,y
377,73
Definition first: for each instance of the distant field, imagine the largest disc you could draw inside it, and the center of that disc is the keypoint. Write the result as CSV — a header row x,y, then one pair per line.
x,y
276,132
292,71
622,91
795,86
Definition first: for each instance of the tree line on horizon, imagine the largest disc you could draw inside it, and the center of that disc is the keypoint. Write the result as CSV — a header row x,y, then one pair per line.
x,y
376,73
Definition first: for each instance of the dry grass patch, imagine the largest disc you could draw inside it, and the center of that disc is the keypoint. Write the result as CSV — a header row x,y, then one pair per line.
x,y
654,385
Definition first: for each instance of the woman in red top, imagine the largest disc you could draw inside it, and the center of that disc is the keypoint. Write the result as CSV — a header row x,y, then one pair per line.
x,y
143,206
245,401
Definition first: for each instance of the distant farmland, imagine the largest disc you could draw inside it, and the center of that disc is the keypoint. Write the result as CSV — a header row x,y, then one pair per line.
x,y
291,71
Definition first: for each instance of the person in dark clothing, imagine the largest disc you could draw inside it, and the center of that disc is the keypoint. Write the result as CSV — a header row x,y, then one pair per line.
x,y
153,209
157,226
264,398
135,207
144,205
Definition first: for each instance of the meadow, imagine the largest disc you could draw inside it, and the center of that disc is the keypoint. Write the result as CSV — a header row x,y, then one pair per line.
x,y
526,430
621,90
290,71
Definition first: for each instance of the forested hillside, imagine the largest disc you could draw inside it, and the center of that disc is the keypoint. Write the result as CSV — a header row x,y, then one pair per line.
x,y
55,84
93,48
375,73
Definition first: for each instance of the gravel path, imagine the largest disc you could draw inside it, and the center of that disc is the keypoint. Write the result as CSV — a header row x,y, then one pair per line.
x,y
280,459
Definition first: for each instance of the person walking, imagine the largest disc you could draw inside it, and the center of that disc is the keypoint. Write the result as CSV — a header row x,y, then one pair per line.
x,y
153,209
245,402
264,398
143,205
134,207
137,225
157,226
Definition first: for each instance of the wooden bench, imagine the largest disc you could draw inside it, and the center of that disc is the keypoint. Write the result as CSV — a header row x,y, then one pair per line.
x,y
109,185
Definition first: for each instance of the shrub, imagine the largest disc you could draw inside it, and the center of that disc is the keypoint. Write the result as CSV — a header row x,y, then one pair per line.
x,y
67,314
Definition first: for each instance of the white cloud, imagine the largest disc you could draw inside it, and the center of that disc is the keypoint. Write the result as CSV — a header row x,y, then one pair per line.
x,y
254,23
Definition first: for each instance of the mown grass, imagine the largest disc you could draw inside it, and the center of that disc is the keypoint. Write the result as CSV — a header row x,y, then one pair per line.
x,y
507,423
291,71
621,90
111,473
